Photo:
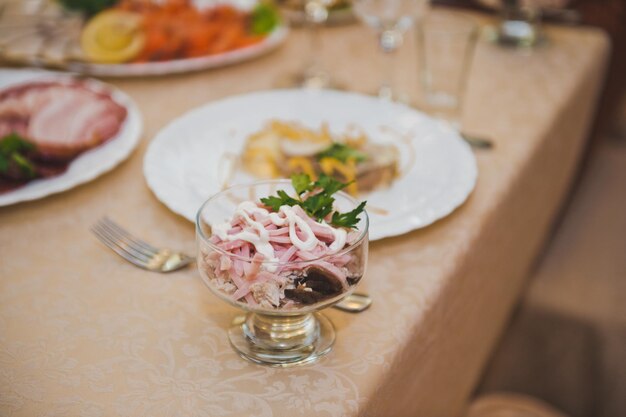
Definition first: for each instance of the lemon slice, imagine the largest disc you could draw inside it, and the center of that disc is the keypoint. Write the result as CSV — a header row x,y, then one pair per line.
x,y
112,36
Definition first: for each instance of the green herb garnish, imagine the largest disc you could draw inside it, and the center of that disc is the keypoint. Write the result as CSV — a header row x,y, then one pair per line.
x,y
301,183
283,199
89,7
319,204
13,153
348,219
264,19
342,152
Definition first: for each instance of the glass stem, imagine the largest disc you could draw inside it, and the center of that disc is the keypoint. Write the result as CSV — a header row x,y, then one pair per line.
x,y
282,333
315,15
389,41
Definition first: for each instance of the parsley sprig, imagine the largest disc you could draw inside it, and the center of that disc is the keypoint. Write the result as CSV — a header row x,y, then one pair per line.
x,y
14,159
319,201
342,152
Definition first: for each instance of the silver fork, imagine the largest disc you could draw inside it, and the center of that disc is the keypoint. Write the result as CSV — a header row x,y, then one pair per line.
x,y
146,256
136,251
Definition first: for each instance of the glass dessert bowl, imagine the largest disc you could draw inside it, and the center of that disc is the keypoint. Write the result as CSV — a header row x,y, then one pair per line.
x,y
281,265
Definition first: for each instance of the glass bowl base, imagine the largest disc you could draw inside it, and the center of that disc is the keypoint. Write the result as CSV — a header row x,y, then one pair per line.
x,y
249,349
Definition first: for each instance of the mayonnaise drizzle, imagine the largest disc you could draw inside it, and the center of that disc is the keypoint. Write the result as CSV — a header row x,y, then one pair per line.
x,y
260,240
340,237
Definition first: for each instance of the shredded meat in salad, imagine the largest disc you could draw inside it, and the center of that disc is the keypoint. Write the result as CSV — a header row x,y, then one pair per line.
x,y
280,259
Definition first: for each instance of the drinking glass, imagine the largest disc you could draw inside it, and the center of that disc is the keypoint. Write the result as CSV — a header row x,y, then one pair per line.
x,y
391,19
519,23
446,42
313,75
294,332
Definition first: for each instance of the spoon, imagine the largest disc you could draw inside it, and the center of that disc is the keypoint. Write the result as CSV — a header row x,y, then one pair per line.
x,y
354,303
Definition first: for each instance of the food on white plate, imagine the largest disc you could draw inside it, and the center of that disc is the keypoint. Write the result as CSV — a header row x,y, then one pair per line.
x,y
45,125
287,252
113,36
132,31
281,149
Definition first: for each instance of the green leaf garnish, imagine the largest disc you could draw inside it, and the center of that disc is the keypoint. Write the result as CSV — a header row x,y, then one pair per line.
x,y
26,167
329,184
13,152
89,7
342,152
272,202
14,143
301,183
318,204
349,219
283,199
4,164
264,19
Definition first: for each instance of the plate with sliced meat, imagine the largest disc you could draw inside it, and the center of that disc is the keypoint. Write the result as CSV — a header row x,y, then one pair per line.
x,y
411,169
57,132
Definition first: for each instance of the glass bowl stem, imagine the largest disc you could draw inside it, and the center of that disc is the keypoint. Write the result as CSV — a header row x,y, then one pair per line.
x,y
282,341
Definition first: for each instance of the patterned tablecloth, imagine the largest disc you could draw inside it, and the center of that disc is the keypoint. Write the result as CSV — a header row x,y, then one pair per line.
x,y
82,333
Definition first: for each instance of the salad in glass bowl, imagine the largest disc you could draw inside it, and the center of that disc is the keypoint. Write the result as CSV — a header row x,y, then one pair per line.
x,y
281,250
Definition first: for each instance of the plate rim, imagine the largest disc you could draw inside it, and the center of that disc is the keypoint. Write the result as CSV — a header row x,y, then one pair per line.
x,y
132,128
380,234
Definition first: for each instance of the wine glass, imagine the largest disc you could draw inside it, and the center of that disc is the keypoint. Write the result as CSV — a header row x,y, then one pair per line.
x,y
315,13
391,19
290,330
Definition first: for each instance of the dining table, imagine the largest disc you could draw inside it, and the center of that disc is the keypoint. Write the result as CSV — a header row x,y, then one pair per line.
x,y
85,333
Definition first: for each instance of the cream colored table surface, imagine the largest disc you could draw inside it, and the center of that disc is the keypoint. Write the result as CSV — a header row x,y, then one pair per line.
x,y
82,333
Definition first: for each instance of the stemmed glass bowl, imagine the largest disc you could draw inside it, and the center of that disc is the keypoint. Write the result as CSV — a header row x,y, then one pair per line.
x,y
293,332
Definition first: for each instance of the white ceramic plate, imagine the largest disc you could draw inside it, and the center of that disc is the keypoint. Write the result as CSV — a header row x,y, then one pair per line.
x,y
184,164
88,165
272,41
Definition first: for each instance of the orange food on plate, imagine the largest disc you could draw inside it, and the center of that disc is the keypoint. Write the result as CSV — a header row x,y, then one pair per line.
x,y
176,29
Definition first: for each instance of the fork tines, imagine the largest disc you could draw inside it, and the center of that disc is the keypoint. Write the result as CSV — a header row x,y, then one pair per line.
x,y
123,243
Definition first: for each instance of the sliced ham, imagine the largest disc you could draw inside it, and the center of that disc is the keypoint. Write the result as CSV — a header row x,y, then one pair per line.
x,y
63,120
10,125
